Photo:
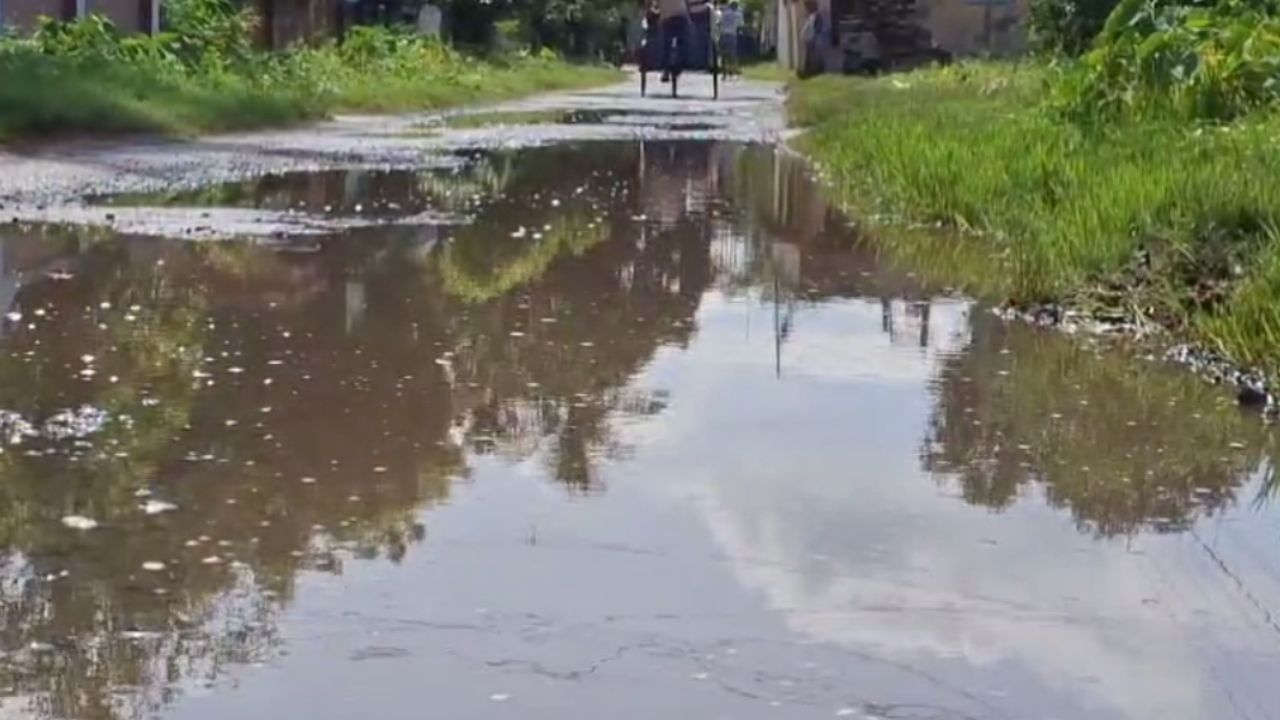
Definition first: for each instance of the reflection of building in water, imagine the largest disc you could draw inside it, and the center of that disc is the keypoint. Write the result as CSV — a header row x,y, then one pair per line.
x,y
906,321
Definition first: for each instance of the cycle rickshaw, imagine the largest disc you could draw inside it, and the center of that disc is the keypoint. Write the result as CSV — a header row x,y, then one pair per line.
x,y
700,52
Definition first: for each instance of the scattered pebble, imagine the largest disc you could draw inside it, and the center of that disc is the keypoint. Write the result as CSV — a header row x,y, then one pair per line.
x,y
155,507
79,522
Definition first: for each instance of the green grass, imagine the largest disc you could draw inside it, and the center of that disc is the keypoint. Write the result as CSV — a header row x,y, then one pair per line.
x,y
42,95
46,94
1167,220
768,71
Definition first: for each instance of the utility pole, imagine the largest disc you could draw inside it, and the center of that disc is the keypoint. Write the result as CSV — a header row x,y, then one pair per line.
x,y
986,26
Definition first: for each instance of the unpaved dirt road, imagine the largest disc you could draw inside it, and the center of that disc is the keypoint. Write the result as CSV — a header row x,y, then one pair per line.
x,y
592,407
58,182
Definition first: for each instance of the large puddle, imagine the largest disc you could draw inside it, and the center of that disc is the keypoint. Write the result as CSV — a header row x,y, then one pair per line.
x,y
652,435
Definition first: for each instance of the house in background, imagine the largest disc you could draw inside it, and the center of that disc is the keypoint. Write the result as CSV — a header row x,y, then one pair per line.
x,y
128,15
896,33
968,28
289,22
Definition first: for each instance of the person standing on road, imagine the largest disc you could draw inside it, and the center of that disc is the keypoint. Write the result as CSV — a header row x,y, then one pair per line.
x,y
674,18
731,21
815,28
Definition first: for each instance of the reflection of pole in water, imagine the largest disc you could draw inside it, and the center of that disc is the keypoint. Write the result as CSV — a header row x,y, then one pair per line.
x,y
924,323
886,316
785,266
779,191
642,164
354,304
777,327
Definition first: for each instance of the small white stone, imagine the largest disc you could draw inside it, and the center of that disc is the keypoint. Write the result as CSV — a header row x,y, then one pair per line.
x,y
79,522
155,507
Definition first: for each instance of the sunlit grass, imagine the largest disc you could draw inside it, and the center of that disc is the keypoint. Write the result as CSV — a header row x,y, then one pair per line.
x,y
44,94
1168,211
768,71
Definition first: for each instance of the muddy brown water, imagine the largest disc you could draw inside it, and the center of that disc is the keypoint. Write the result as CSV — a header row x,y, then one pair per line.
x,y
654,434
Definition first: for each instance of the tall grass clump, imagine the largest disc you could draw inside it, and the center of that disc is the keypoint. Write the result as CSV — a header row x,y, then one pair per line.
x,y
1198,60
1151,215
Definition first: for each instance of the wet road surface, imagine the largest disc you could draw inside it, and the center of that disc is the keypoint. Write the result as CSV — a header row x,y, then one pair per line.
x,y
603,427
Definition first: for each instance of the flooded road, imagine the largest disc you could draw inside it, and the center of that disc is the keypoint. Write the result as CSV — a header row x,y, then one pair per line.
x,y
645,430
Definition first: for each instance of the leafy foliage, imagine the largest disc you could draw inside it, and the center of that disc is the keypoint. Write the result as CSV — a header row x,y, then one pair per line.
x,y
1068,27
209,30
1204,61
202,73
578,28
1160,220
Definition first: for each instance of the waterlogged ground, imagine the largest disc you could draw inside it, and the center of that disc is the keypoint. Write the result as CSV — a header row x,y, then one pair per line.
x,y
642,430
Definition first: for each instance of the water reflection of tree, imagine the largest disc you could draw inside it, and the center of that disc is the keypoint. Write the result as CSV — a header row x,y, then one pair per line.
x,y
148,314
375,354
556,296
1122,445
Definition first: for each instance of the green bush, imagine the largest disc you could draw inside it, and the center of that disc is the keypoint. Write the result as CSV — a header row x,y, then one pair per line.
x,y
202,73
964,179
202,31
1068,27
1213,61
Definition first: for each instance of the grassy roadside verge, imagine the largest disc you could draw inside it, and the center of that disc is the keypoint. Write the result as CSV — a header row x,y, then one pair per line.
x,y
88,79
1160,220
766,71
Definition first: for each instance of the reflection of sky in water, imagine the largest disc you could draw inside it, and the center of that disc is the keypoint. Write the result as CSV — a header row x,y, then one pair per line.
x,y
821,506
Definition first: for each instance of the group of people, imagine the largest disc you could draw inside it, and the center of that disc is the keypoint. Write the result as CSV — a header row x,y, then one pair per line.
x,y
677,19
